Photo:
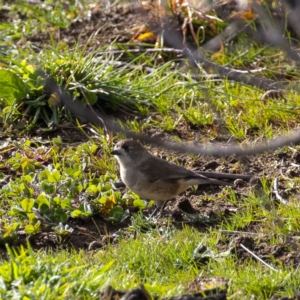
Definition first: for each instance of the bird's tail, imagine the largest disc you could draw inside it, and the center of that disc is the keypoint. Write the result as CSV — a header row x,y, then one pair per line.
x,y
224,175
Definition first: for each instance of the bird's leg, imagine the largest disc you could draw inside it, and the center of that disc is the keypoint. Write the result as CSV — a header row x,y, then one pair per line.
x,y
117,184
160,205
162,209
154,212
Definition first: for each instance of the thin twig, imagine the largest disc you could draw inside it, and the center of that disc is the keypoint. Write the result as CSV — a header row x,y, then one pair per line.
x,y
258,258
141,50
243,232
283,176
275,190
295,165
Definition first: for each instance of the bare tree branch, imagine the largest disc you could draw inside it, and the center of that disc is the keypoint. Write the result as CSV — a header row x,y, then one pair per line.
x,y
86,114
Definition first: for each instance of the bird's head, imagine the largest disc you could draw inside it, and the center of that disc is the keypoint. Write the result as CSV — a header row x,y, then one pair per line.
x,y
129,152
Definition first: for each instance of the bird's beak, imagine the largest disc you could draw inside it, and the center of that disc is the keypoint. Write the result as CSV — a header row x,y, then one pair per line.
x,y
115,152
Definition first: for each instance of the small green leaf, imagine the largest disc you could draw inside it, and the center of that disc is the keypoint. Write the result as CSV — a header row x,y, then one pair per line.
x,y
76,158
44,208
57,140
60,215
47,187
69,172
16,210
66,203
92,189
16,166
27,204
37,225
54,176
94,148
42,200
27,178
76,174
139,203
106,187
12,87
76,213
29,229
116,213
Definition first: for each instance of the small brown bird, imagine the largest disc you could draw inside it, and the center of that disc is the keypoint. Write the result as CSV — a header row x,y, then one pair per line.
x,y
156,179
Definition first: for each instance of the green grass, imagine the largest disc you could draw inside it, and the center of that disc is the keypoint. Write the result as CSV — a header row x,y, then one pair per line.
x,y
165,261
101,84
45,182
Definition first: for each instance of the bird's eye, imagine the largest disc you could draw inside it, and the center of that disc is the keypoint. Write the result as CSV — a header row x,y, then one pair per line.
x,y
126,148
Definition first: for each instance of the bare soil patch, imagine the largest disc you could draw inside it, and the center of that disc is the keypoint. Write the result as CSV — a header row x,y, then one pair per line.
x,y
115,24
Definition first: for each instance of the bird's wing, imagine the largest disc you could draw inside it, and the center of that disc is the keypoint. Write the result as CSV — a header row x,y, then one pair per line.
x,y
159,169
